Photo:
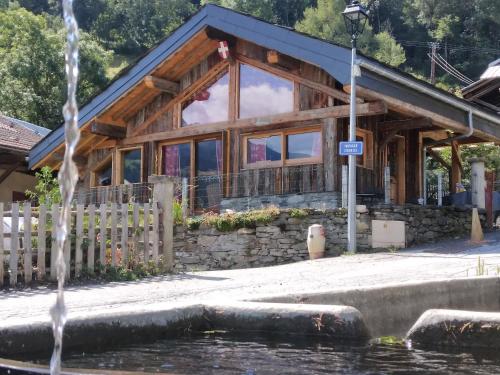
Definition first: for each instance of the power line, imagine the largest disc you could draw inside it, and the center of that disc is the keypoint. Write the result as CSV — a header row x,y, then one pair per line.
x,y
451,47
443,64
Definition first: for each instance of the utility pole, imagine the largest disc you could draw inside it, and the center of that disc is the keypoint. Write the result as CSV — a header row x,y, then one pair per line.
x,y
433,62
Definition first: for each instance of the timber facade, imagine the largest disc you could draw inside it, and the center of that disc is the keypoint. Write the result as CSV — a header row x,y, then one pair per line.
x,y
241,108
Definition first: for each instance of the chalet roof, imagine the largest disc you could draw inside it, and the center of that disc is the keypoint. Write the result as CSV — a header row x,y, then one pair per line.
x,y
18,135
333,58
486,91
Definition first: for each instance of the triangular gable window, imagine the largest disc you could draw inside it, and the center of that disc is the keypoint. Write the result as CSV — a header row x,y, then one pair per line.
x,y
263,93
209,104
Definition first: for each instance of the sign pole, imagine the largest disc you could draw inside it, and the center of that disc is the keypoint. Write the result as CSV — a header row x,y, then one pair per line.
x,y
351,197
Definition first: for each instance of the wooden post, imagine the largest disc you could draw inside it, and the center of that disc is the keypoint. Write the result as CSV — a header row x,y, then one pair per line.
x,y
102,233
330,151
79,240
14,243
344,186
2,250
156,232
67,244
124,234
456,173
146,232
387,185
184,199
135,226
163,194
41,241
91,239
28,252
53,244
113,233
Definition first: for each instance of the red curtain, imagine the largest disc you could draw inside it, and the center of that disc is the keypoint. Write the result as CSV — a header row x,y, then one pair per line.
x,y
171,161
257,150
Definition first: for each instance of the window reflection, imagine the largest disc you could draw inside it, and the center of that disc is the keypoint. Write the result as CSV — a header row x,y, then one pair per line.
x,y
262,93
176,160
131,166
209,104
304,145
264,149
103,175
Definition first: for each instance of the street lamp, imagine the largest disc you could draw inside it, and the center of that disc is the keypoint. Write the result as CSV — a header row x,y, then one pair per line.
x,y
355,16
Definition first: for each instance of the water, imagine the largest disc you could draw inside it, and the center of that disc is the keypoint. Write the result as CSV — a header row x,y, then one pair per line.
x,y
68,176
223,354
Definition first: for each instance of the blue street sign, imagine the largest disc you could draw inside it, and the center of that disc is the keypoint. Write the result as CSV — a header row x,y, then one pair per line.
x,y
351,148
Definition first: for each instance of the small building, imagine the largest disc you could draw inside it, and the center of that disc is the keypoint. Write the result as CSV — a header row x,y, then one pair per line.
x,y
251,113
17,137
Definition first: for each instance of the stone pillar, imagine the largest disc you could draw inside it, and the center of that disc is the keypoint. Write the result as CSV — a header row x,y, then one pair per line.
x,y
478,182
163,193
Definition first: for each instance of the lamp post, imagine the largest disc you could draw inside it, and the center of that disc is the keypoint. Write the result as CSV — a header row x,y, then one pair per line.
x,y
355,16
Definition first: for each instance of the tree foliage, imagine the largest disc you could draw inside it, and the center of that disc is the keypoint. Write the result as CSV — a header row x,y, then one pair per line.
x,y
326,22
32,78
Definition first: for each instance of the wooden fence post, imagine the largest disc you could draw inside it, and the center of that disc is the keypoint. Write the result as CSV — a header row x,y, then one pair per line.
x,y
146,232
91,239
28,253
113,234
102,234
79,240
67,244
14,243
124,233
135,226
163,194
41,241
2,250
53,248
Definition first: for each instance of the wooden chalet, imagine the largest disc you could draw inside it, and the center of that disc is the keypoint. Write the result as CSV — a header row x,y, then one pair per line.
x,y
241,107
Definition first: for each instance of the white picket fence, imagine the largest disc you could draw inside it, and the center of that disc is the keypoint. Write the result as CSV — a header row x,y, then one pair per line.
x,y
105,234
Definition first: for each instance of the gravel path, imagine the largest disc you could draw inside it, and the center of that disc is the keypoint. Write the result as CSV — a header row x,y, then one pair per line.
x,y
451,259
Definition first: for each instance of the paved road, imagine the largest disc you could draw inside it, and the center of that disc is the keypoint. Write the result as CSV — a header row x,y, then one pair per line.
x,y
431,262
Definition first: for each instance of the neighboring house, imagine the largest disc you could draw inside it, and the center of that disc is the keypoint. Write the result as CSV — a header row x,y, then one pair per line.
x,y
244,108
17,137
486,91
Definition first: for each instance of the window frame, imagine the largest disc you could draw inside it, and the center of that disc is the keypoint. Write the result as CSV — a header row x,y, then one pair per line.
x,y
99,167
119,163
284,162
367,136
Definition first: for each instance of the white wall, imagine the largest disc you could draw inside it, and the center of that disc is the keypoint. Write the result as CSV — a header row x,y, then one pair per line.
x,y
15,182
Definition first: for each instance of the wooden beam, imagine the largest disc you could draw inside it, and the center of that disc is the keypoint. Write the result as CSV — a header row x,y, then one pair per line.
x,y
261,123
414,123
161,84
107,130
276,58
105,144
388,137
435,155
455,152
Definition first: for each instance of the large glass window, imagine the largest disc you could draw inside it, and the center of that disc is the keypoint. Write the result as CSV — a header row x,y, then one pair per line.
x,y
131,166
104,174
264,149
176,160
303,145
209,104
208,174
263,93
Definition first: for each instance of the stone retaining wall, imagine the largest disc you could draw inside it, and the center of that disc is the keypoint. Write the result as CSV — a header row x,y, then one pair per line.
x,y
284,239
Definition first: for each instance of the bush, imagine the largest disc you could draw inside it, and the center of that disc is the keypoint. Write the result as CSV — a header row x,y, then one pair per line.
x,y
298,213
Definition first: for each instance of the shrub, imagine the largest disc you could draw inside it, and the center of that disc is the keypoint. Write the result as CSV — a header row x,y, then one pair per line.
x,y
298,213
235,220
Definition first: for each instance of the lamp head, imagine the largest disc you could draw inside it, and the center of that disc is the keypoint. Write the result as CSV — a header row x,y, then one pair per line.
x,y
355,16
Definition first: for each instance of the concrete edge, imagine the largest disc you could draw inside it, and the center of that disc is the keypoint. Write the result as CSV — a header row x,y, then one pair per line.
x,y
456,328
103,328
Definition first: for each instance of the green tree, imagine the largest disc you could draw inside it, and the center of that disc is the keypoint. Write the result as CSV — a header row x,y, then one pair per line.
x,y
46,188
282,12
32,77
133,26
326,22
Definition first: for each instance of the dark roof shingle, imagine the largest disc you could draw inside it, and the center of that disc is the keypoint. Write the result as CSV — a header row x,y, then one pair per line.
x,y
19,135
